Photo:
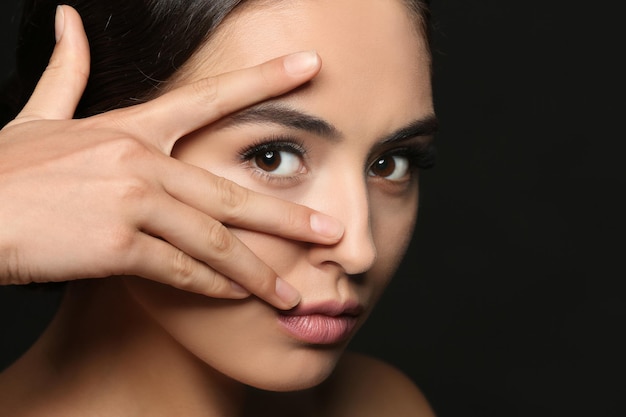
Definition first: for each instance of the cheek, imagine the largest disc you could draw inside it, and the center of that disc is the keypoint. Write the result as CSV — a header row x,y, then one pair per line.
x,y
282,255
204,325
393,235
238,339
392,230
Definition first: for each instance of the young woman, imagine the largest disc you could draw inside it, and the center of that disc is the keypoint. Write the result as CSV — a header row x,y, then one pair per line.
x,y
347,144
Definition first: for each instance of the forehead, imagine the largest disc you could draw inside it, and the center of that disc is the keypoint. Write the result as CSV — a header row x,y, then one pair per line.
x,y
375,62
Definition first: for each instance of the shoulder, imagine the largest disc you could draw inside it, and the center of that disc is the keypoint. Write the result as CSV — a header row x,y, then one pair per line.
x,y
365,386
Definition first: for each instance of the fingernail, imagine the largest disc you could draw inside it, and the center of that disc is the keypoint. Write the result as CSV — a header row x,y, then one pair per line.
x,y
238,289
326,226
301,62
287,293
59,23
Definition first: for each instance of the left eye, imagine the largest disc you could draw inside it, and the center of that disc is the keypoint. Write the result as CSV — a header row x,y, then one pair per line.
x,y
278,162
390,167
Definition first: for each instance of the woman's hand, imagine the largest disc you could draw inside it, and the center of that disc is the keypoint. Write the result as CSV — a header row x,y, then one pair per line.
x,y
101,196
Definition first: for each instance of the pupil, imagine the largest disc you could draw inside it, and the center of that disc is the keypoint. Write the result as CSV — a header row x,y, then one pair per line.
x,y
268,161
384,167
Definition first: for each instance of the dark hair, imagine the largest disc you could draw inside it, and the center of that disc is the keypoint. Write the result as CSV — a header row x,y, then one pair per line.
x,y
135,45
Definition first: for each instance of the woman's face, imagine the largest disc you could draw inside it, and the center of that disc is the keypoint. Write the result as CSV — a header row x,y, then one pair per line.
x,y
347,145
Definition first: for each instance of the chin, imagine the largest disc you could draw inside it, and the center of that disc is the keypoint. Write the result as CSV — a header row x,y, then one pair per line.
x,y
299,371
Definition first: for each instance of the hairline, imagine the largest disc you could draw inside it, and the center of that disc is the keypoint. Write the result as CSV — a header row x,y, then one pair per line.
x,y
418,13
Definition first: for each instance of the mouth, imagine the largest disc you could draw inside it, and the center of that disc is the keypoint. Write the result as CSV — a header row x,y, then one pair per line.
x,y
321,324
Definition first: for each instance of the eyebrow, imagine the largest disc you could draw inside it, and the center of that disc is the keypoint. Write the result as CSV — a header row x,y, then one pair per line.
x,y
280,114
275,113
426,126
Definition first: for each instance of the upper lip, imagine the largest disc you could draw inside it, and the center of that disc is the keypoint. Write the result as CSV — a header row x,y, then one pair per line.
x,y
327,308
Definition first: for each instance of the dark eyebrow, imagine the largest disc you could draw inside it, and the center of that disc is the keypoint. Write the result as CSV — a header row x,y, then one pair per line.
x,y
276,113
426,126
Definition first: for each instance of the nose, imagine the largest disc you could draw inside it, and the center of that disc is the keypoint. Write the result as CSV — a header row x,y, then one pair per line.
x,y
347,200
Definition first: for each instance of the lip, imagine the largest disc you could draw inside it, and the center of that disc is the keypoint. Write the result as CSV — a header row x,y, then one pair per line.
x,y
321,324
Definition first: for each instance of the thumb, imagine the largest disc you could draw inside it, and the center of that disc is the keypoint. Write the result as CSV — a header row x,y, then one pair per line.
x,y
63,82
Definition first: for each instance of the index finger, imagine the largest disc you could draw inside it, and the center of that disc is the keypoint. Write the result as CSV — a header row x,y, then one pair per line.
x,y
179,112
238,206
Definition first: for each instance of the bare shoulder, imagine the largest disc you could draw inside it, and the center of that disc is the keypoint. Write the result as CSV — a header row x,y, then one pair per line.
x,y
365,386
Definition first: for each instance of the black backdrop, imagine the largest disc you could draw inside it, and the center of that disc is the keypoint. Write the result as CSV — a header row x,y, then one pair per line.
x,y
509,302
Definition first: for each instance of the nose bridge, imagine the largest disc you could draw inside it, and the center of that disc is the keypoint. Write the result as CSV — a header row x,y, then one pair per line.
x,y
349,202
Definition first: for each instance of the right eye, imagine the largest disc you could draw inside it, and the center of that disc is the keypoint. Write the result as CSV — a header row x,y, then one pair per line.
x,y
278,162
276,159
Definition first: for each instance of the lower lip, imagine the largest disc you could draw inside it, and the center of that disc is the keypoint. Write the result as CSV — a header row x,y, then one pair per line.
x,y
319,329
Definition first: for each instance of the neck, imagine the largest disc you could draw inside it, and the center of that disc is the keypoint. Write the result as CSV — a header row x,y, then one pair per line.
x,y
103,355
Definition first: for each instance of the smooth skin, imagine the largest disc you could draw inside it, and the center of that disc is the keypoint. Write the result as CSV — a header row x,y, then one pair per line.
x,y
101,196
133,347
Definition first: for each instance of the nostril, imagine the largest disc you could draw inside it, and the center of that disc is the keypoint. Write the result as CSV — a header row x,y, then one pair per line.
x,y
358,279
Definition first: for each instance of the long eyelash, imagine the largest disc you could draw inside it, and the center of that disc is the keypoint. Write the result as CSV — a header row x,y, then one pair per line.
x,y
420,155
273,143
279,143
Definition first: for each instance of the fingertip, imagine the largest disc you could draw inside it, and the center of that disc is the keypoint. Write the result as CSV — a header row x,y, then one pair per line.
x,y
287,293
326,226
69,29
302,63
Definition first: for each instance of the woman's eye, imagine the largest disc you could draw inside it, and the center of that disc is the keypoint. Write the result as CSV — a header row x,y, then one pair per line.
x,y
391,167
278,162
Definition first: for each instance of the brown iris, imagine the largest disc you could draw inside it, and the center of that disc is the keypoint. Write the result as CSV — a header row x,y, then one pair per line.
x,y
384,166
268,160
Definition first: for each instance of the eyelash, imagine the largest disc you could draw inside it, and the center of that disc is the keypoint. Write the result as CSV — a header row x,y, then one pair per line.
x,y
419,155
278,143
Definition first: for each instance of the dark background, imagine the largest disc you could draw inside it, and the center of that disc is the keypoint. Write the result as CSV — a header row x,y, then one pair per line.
x,y
510,301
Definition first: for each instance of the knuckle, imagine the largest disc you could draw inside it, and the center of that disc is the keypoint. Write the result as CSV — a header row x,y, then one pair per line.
x,y
294,219
13,270
221,241
124,156
184,271
232,197
110,145
59,70
214,284
128,148
206,90
264,284
132,190
119,242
